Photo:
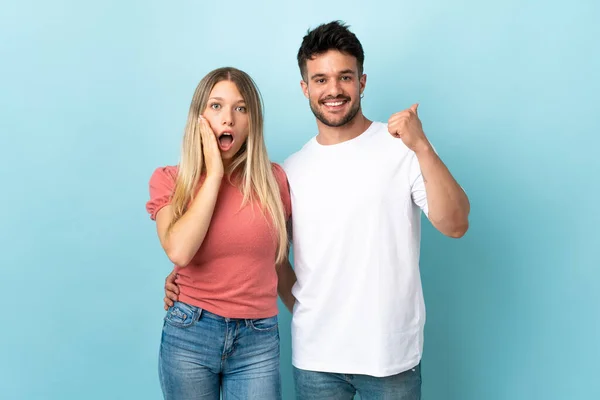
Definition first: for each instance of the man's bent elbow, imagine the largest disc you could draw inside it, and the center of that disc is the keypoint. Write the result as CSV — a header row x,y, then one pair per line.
x,y
459,231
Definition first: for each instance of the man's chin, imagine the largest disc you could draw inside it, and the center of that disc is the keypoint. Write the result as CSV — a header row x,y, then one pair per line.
x,y
335,122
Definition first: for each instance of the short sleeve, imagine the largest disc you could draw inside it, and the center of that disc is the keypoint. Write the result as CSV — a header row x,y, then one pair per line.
x,y
417,187
162,184
284,189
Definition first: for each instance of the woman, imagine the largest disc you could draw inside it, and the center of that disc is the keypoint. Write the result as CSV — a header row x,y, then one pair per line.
x,y
221,219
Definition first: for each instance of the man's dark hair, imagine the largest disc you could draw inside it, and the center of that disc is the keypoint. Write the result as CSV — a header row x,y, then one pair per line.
x,y
334,35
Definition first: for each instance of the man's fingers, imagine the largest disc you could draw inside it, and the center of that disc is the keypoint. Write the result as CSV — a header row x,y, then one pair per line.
x,y
401,115
168,302
171,287
171,295
171,277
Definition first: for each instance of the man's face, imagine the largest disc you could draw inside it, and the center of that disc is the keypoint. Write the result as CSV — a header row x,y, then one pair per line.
x,y
333,87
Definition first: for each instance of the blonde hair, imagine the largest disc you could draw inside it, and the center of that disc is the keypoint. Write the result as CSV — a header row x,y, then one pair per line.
x,y
257,181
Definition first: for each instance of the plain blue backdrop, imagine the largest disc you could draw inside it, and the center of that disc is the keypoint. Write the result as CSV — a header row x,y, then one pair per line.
x,y
94,96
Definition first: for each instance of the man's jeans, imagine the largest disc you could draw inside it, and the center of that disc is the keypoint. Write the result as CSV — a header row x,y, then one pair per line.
x,y
311,385
202,353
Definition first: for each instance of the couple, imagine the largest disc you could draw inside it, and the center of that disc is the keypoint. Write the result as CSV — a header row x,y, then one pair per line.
x,y
349,201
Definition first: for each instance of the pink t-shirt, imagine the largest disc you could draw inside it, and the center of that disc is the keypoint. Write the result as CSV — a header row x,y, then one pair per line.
x,y
233,273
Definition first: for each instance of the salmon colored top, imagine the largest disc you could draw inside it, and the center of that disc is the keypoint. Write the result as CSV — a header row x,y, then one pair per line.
x,y
233,273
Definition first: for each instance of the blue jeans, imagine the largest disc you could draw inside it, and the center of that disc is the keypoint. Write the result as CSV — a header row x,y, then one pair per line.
x,y
202,354
311,385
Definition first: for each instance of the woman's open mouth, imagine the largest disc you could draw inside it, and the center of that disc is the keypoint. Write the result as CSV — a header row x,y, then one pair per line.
x,y
225,140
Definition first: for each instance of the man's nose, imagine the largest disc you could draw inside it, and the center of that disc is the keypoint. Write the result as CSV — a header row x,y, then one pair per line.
x,y
334,88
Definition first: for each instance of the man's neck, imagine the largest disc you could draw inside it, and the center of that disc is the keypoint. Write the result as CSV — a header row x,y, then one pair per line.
x,y
329,135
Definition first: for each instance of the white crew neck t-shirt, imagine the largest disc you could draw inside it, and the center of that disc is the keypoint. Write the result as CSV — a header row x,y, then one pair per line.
x,y
356,236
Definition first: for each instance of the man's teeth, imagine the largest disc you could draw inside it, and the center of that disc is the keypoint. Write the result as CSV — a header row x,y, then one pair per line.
x,y
337,103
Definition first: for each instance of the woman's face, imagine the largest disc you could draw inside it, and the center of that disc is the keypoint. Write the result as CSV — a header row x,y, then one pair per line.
x,y
228,117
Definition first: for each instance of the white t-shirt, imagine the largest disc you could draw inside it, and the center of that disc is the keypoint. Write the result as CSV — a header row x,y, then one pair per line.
x,y
356,238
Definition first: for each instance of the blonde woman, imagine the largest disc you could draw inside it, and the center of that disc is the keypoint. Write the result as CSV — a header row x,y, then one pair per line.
x,y
221,219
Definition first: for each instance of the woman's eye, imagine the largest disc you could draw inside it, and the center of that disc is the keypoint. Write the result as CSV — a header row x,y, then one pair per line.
x,y
242,109
215,106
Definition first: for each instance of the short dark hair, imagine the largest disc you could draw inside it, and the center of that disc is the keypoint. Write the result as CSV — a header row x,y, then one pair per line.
x,y
334,35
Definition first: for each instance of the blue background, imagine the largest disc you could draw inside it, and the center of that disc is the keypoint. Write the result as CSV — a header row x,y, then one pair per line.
x,y
94,96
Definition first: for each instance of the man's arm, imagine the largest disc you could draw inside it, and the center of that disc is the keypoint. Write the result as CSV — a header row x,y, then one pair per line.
x,y
447,202
171,290
286,277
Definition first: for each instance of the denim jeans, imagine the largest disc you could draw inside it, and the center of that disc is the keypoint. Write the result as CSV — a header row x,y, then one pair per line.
x,y
202,354
312,385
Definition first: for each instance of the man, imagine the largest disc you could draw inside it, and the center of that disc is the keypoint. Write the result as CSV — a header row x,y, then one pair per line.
x,y
357,191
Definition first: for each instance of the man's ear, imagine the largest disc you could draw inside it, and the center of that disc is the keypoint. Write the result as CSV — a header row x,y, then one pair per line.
x,y
363,83
304,87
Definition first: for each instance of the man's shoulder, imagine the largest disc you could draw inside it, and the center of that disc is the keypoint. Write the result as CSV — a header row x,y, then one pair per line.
x,y
380,128
382,138
296,158
378,132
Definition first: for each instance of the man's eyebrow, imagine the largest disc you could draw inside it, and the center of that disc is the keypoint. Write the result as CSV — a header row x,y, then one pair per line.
x,y
320,75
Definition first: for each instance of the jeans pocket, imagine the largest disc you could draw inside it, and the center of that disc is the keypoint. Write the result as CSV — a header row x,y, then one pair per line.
x,y
264,324
182,315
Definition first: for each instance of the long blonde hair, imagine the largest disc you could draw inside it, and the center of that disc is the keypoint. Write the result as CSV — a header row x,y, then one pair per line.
x,y
257,181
